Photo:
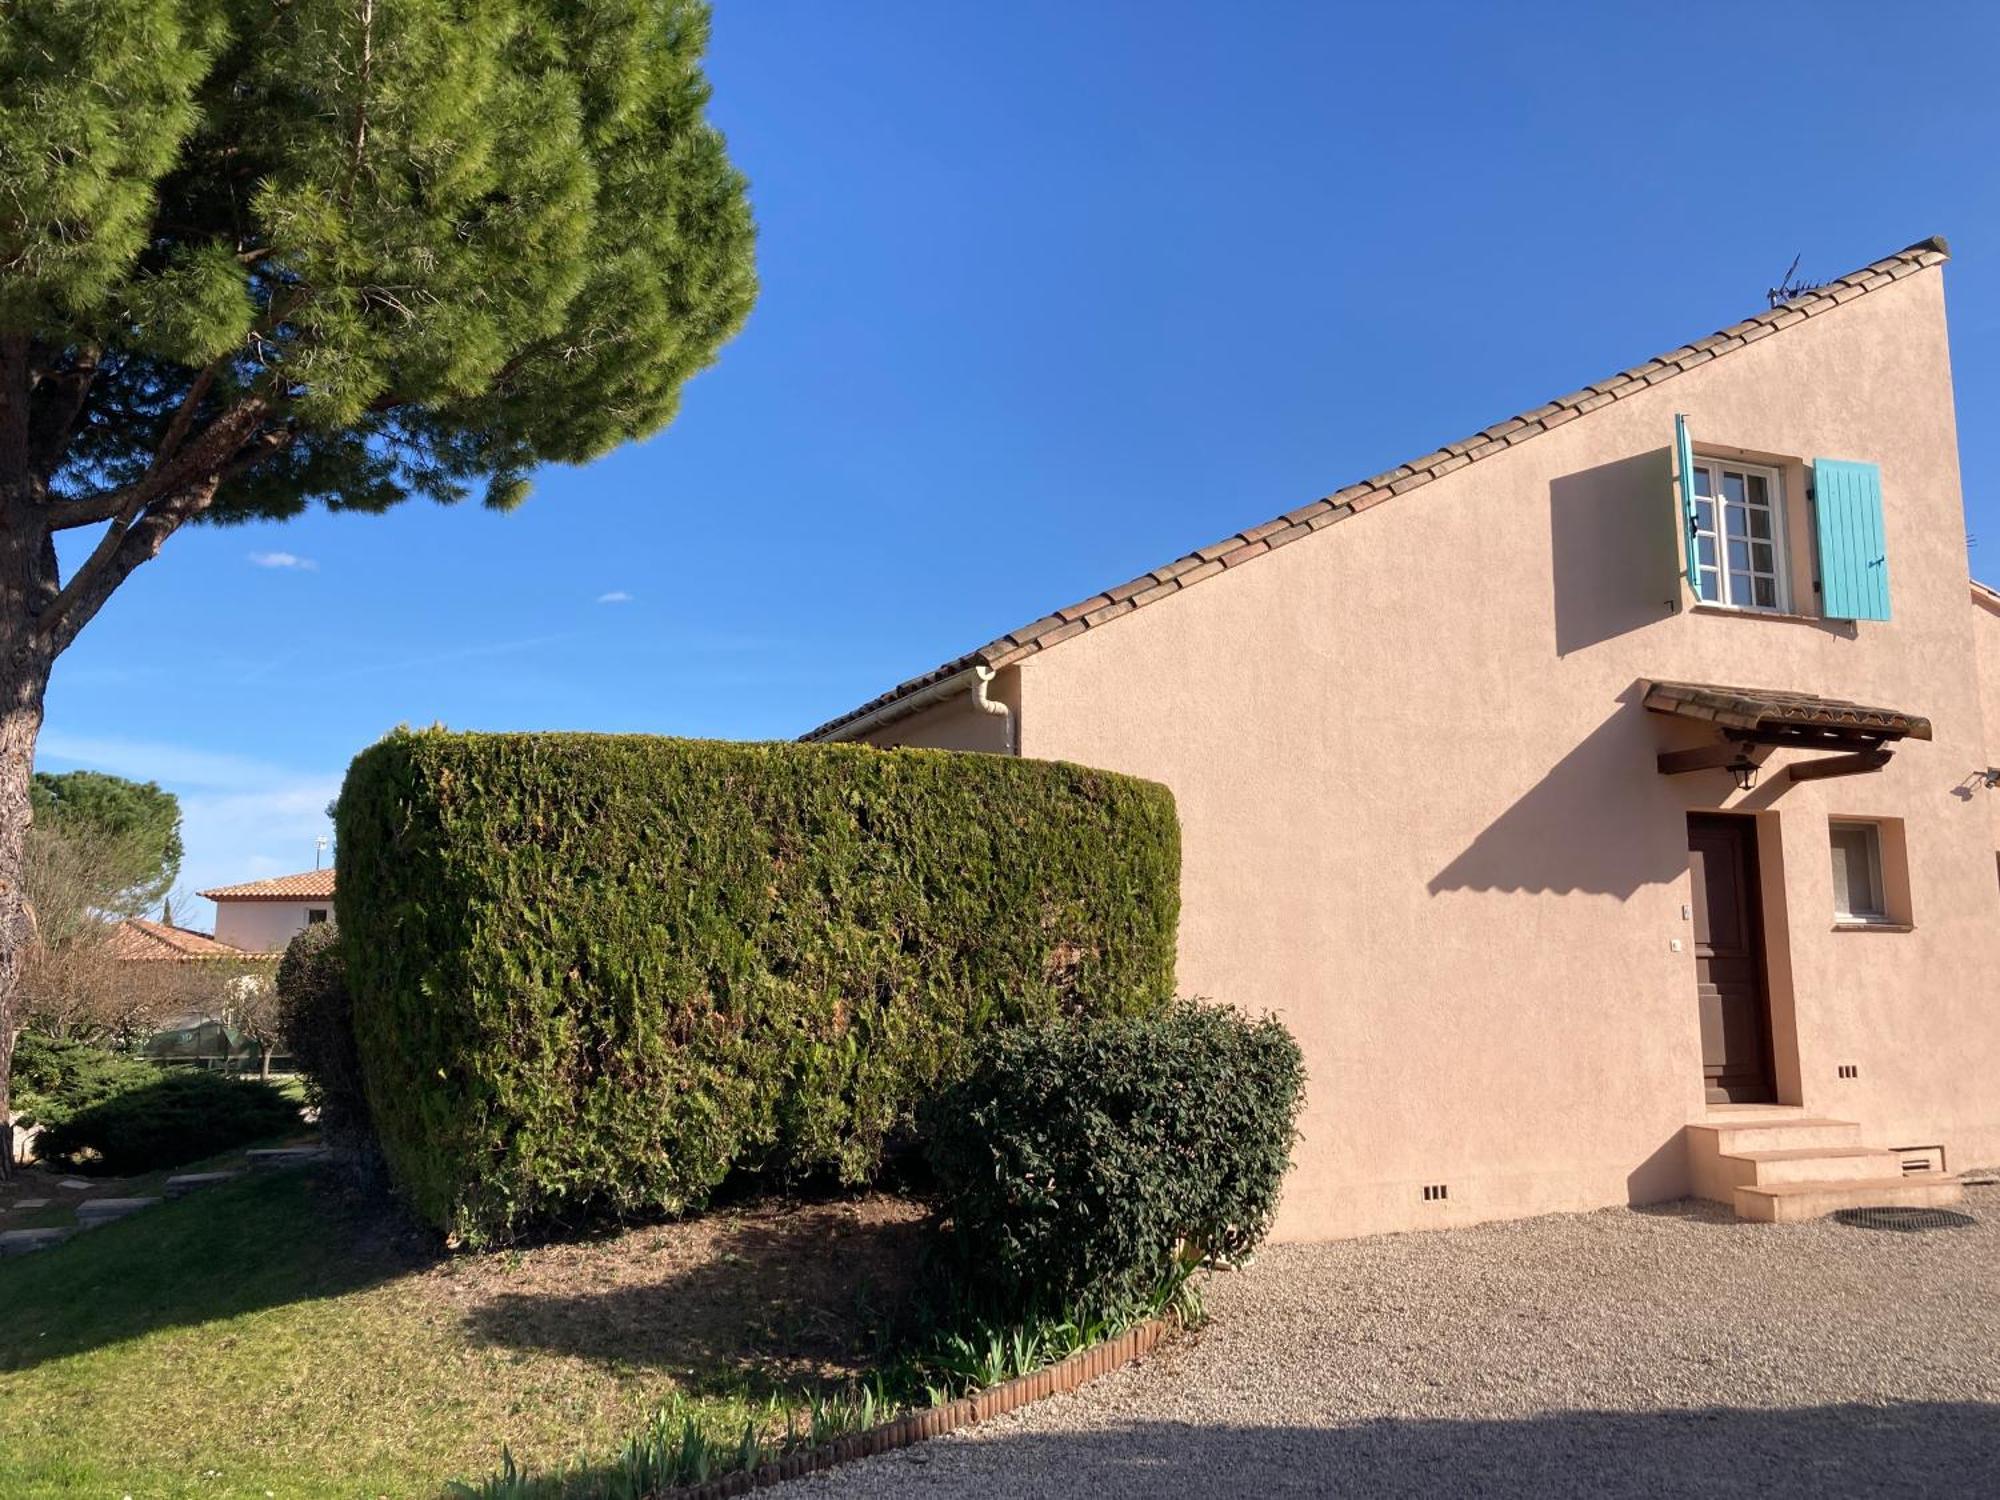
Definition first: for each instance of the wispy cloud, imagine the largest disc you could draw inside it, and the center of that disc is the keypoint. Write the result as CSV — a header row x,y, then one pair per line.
x,y
284,560
616,596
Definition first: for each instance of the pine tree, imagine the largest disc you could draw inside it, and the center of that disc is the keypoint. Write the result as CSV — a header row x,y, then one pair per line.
x,y
257,255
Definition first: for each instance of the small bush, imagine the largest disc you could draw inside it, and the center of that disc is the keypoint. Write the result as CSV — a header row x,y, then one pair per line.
x,y
316,1022
597,973
1079,1161
52,1080
180,1117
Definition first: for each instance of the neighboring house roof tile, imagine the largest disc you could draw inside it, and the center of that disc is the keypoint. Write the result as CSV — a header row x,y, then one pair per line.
x,y
140,940
1245,546
309,885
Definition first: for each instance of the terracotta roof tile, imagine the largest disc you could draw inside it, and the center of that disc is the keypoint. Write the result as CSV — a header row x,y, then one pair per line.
x,y
1206,561
139,940
1766,708
306,886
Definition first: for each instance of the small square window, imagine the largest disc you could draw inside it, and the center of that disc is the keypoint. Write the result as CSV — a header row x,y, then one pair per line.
x,y
1857,873
315,914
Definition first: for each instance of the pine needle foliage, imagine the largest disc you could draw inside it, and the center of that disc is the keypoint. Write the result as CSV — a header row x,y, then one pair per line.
x,y
382,248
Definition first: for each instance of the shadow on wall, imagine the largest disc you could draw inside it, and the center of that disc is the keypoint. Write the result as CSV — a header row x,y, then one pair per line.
x,y
1919,1448
1591,824
1613,550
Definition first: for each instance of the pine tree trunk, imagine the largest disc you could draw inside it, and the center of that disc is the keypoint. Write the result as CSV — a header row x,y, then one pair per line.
x,y
24,677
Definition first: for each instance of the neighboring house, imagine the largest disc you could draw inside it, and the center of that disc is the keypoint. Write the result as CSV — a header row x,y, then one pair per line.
x,y
264,915
1601,799
203,981
141,940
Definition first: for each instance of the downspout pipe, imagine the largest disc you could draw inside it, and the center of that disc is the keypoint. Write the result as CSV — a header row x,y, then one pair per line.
x,y
982,680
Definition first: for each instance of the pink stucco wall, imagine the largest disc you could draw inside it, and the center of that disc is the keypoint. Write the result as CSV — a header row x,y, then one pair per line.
x,y
1422,820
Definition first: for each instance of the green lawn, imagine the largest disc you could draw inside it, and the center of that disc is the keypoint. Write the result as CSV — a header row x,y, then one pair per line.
x,y
261,1338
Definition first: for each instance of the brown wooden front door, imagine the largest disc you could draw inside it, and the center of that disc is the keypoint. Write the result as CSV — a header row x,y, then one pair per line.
x,y
1729,960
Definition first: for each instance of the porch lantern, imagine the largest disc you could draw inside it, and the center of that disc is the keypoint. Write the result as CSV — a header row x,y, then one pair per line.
x,y
1744,769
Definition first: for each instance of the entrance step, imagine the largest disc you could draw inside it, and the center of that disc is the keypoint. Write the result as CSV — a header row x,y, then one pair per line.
x,y
1809,1164
1763,1130
1794,1202
1780,1166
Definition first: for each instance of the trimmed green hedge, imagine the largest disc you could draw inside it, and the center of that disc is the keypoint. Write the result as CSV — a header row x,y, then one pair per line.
x,y
598,973
1079,1161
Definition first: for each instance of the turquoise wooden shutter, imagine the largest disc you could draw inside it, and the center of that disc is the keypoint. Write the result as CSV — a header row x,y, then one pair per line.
x,y
1684,461
1853,561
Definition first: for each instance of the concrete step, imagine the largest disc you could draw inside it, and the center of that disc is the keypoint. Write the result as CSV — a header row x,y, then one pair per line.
x,y
1809,1164
1794,1202
1772,1132
96,1211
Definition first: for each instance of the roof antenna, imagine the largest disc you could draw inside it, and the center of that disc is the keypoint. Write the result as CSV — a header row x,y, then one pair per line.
x,y
1787,289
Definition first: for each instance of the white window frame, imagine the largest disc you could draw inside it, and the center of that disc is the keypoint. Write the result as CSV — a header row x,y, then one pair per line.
x,y
1873,840
1717,533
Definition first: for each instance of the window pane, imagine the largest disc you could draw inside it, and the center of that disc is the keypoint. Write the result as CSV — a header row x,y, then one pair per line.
x,y
1739,587
1704,483
1704,551
1739,556
1760,556
1760,523
1757,489
1704,515
1738,524
1767,594
1711,585
1854,893
1732,487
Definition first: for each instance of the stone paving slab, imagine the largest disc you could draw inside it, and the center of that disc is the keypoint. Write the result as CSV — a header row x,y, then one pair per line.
x,y
284,1156
188,1182
22,1241
27,1203
76,1184
103,1210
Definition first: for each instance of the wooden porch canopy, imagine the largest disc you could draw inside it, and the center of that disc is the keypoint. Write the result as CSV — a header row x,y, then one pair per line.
x,y
1756,721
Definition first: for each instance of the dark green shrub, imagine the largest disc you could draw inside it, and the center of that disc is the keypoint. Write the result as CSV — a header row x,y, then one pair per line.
x,y
316,1022
1080,1160
52,1080
180,1117
597,973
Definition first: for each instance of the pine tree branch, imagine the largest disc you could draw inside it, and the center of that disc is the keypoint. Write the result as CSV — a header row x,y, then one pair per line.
x,y
158,505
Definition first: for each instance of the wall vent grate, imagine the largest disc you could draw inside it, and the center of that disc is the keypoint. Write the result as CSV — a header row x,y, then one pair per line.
x,y
1850,1070
1437,1192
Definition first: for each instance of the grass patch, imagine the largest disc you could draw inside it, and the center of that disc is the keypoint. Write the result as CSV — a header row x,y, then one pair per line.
x,y
266,1337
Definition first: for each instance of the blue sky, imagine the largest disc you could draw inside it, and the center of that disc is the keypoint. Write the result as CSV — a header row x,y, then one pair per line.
x,y
1053,293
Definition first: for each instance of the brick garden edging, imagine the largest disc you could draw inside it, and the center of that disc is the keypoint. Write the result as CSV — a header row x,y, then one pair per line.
x,y
995,1401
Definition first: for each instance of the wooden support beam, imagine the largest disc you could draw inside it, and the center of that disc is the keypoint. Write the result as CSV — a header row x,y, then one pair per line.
x,y
1711,757
1856,764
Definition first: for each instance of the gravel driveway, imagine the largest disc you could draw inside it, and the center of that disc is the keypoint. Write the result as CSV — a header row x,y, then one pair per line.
x,y
1670,1351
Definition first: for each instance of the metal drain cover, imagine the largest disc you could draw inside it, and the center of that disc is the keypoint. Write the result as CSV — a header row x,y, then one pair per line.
x,y
1904,1220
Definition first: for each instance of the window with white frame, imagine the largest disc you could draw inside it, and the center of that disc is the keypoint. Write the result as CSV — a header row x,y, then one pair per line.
x,y
1857,873
1740,536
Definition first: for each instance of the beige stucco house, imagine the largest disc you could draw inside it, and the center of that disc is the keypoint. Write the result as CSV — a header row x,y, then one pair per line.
x,y
1601,799
262,916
